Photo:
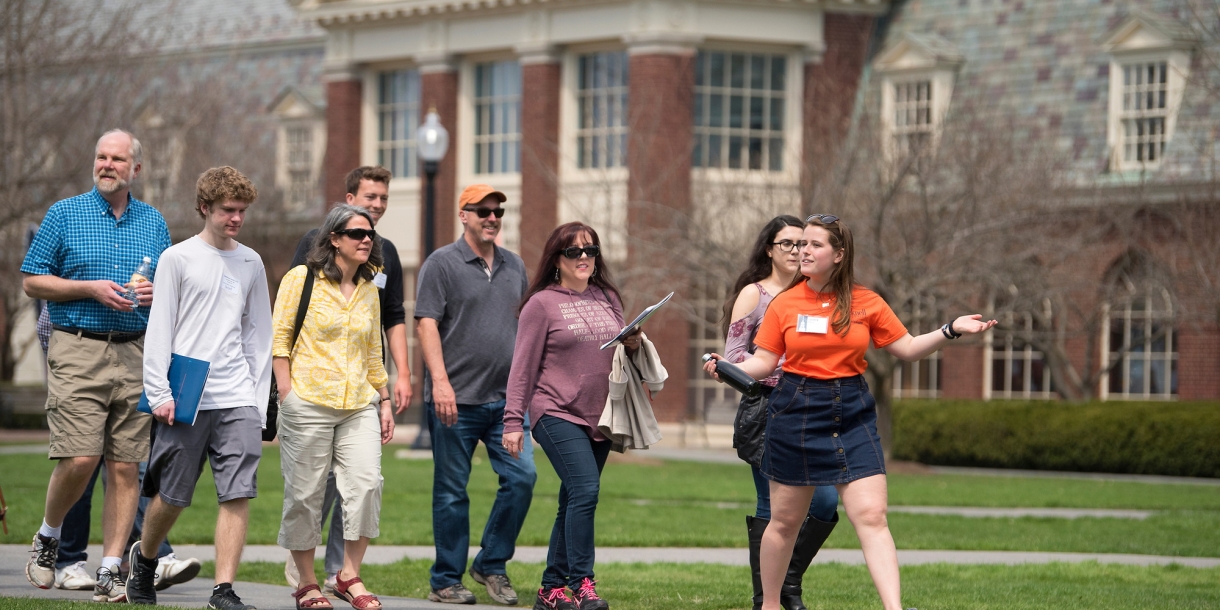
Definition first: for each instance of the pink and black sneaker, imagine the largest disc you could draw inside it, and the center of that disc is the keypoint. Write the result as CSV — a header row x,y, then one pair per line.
x,y
553,599
586,597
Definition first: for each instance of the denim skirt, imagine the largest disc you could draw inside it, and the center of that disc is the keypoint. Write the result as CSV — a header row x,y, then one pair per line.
x,y
821,432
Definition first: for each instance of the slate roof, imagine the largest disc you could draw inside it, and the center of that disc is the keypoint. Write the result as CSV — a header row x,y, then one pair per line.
x,y
1044,62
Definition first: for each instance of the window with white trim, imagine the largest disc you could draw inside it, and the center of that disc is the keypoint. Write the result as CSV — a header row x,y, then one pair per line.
x,y
299,157
1142,346
397,120
921,378
739,110
497,117
914,120
1018,369
1145,92
601,102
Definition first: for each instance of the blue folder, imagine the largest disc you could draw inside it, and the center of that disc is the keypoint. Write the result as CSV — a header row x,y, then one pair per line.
x,y
187,376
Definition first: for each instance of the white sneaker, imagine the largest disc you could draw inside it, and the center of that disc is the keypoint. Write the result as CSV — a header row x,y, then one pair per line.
x,y
173,571
291,574
328,585
75,577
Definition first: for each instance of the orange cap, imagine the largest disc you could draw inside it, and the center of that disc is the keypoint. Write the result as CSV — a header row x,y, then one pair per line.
x,y
476,193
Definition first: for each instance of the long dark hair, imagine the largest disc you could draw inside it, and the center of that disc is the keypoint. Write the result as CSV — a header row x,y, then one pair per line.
x,y
759,265
321,258
562,237
843,278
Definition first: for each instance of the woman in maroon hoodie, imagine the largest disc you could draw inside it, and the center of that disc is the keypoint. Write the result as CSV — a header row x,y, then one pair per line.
x,y
562,377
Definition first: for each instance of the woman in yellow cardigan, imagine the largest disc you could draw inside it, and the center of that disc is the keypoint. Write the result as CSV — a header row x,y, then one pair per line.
x,y
335,402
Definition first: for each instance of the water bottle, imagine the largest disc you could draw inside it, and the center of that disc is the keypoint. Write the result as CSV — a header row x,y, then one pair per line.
x,y
140,275
736,378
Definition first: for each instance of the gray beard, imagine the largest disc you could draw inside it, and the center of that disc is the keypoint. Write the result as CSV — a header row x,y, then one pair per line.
x,y
119,184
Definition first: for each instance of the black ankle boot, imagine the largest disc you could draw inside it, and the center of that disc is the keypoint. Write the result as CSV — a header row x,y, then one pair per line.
x,y
756,527
810,539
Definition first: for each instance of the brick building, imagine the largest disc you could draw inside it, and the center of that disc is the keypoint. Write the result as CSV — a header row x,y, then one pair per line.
x,y
639,116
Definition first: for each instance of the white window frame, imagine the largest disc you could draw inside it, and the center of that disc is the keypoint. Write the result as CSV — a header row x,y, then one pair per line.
x,y
786,130
924,318
405,146
497,139
607,141
1148,318
940,83
463,145
998,345
299,114
792,131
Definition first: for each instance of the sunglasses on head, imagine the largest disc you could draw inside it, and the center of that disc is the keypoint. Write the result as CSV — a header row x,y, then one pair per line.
x,y
485,212
826,219
357,234
575,251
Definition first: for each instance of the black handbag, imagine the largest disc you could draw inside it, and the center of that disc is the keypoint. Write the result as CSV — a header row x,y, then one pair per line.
x,y
273,400
750,428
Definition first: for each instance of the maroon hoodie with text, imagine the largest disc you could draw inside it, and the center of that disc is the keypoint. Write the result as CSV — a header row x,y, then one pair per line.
x,y
558,369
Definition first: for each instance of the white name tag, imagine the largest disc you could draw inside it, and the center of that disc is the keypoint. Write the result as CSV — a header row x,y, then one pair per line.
x,y
812,324
230,285
379,280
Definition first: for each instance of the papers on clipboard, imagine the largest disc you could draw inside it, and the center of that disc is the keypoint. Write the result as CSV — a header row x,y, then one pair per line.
x,y
644,315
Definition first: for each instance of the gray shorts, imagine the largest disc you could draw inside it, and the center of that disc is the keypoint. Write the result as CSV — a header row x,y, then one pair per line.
x,y
231,440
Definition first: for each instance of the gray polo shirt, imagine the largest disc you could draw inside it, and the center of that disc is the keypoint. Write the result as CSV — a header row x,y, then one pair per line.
x,y
476,315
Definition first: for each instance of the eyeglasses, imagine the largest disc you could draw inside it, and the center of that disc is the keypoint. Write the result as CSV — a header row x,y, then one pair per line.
x,y
787,245
485,212
357,234
826,219
575,251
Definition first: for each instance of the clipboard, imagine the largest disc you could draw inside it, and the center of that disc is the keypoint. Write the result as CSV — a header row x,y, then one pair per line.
x,y
187,376
640,319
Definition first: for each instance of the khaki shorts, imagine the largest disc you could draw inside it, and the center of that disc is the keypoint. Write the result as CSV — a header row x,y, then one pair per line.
x,y
93,388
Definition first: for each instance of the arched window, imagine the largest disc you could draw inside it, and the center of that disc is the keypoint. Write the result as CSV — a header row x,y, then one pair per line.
x,y
1139,344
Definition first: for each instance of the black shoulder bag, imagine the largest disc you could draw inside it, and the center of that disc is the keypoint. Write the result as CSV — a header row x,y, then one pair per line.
x,y
273,401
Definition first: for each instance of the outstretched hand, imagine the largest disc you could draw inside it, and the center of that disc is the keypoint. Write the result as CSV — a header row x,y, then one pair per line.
x,y
971,324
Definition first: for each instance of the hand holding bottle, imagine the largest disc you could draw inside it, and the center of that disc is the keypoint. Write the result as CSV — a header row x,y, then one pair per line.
x,y
724,371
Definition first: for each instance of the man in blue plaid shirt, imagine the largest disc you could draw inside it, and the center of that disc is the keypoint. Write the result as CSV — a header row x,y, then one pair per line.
x,y
85,250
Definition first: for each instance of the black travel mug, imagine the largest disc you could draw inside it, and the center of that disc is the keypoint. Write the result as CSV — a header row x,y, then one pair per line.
x,y
736,378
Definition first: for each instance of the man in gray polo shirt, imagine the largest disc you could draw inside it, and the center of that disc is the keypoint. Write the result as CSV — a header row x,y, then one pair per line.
x,y
466,321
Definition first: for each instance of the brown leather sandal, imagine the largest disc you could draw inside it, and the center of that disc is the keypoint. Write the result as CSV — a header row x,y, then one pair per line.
x,y
313,603
361,602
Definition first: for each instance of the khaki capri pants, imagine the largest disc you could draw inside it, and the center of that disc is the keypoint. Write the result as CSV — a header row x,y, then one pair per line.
x,y
313,440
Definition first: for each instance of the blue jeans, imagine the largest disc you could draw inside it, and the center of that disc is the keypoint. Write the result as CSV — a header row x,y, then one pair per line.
x,y
74,537
578,460
452,449
823,507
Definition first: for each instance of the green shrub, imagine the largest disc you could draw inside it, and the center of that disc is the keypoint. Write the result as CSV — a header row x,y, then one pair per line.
x,y
1165,438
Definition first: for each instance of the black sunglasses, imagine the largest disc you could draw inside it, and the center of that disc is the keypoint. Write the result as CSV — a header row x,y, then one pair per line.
x,y
357,234
485,212
575,251
826,219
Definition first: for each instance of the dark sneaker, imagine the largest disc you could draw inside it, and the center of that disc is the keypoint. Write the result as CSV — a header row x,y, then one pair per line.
x,y
456,594
228,600
586,597
498,587
40,569
553,599
110,587
142,579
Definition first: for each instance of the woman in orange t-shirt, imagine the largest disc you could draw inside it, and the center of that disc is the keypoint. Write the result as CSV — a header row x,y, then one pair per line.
x,y
822,420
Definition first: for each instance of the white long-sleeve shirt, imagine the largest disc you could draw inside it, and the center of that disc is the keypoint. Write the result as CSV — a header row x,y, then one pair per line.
x,y
213,305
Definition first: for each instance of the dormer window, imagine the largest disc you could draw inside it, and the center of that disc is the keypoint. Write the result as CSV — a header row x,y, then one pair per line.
x,y
917,75
300,146
1149,64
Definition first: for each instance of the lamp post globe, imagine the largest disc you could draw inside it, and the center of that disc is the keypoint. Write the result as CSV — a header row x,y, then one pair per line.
x,y
432,142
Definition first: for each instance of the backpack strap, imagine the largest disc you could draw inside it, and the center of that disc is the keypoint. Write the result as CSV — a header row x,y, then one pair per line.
x,y
303,307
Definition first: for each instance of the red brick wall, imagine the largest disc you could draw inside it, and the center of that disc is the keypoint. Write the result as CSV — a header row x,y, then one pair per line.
x,y
539,158
830,93
342,137
1199,364
439,90
658,159
962,370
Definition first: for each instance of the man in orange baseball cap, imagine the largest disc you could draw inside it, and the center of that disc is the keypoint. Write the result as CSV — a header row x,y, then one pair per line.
x,y
466,321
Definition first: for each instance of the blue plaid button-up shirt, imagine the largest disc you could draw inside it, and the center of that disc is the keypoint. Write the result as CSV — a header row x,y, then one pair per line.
x,y
80,239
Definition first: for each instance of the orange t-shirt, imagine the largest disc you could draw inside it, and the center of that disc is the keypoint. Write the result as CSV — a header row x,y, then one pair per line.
x,y
826,355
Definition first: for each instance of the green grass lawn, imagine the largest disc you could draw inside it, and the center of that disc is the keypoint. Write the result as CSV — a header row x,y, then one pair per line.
x,y
1084,586
648,502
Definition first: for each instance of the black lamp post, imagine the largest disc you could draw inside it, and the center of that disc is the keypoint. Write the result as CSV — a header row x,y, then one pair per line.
x,y
433,141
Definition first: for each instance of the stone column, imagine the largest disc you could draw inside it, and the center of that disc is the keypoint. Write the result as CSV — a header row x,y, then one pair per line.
x,y
660,93
540,76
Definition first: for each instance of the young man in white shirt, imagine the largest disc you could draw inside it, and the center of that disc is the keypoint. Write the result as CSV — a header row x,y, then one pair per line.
x,y
212,304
